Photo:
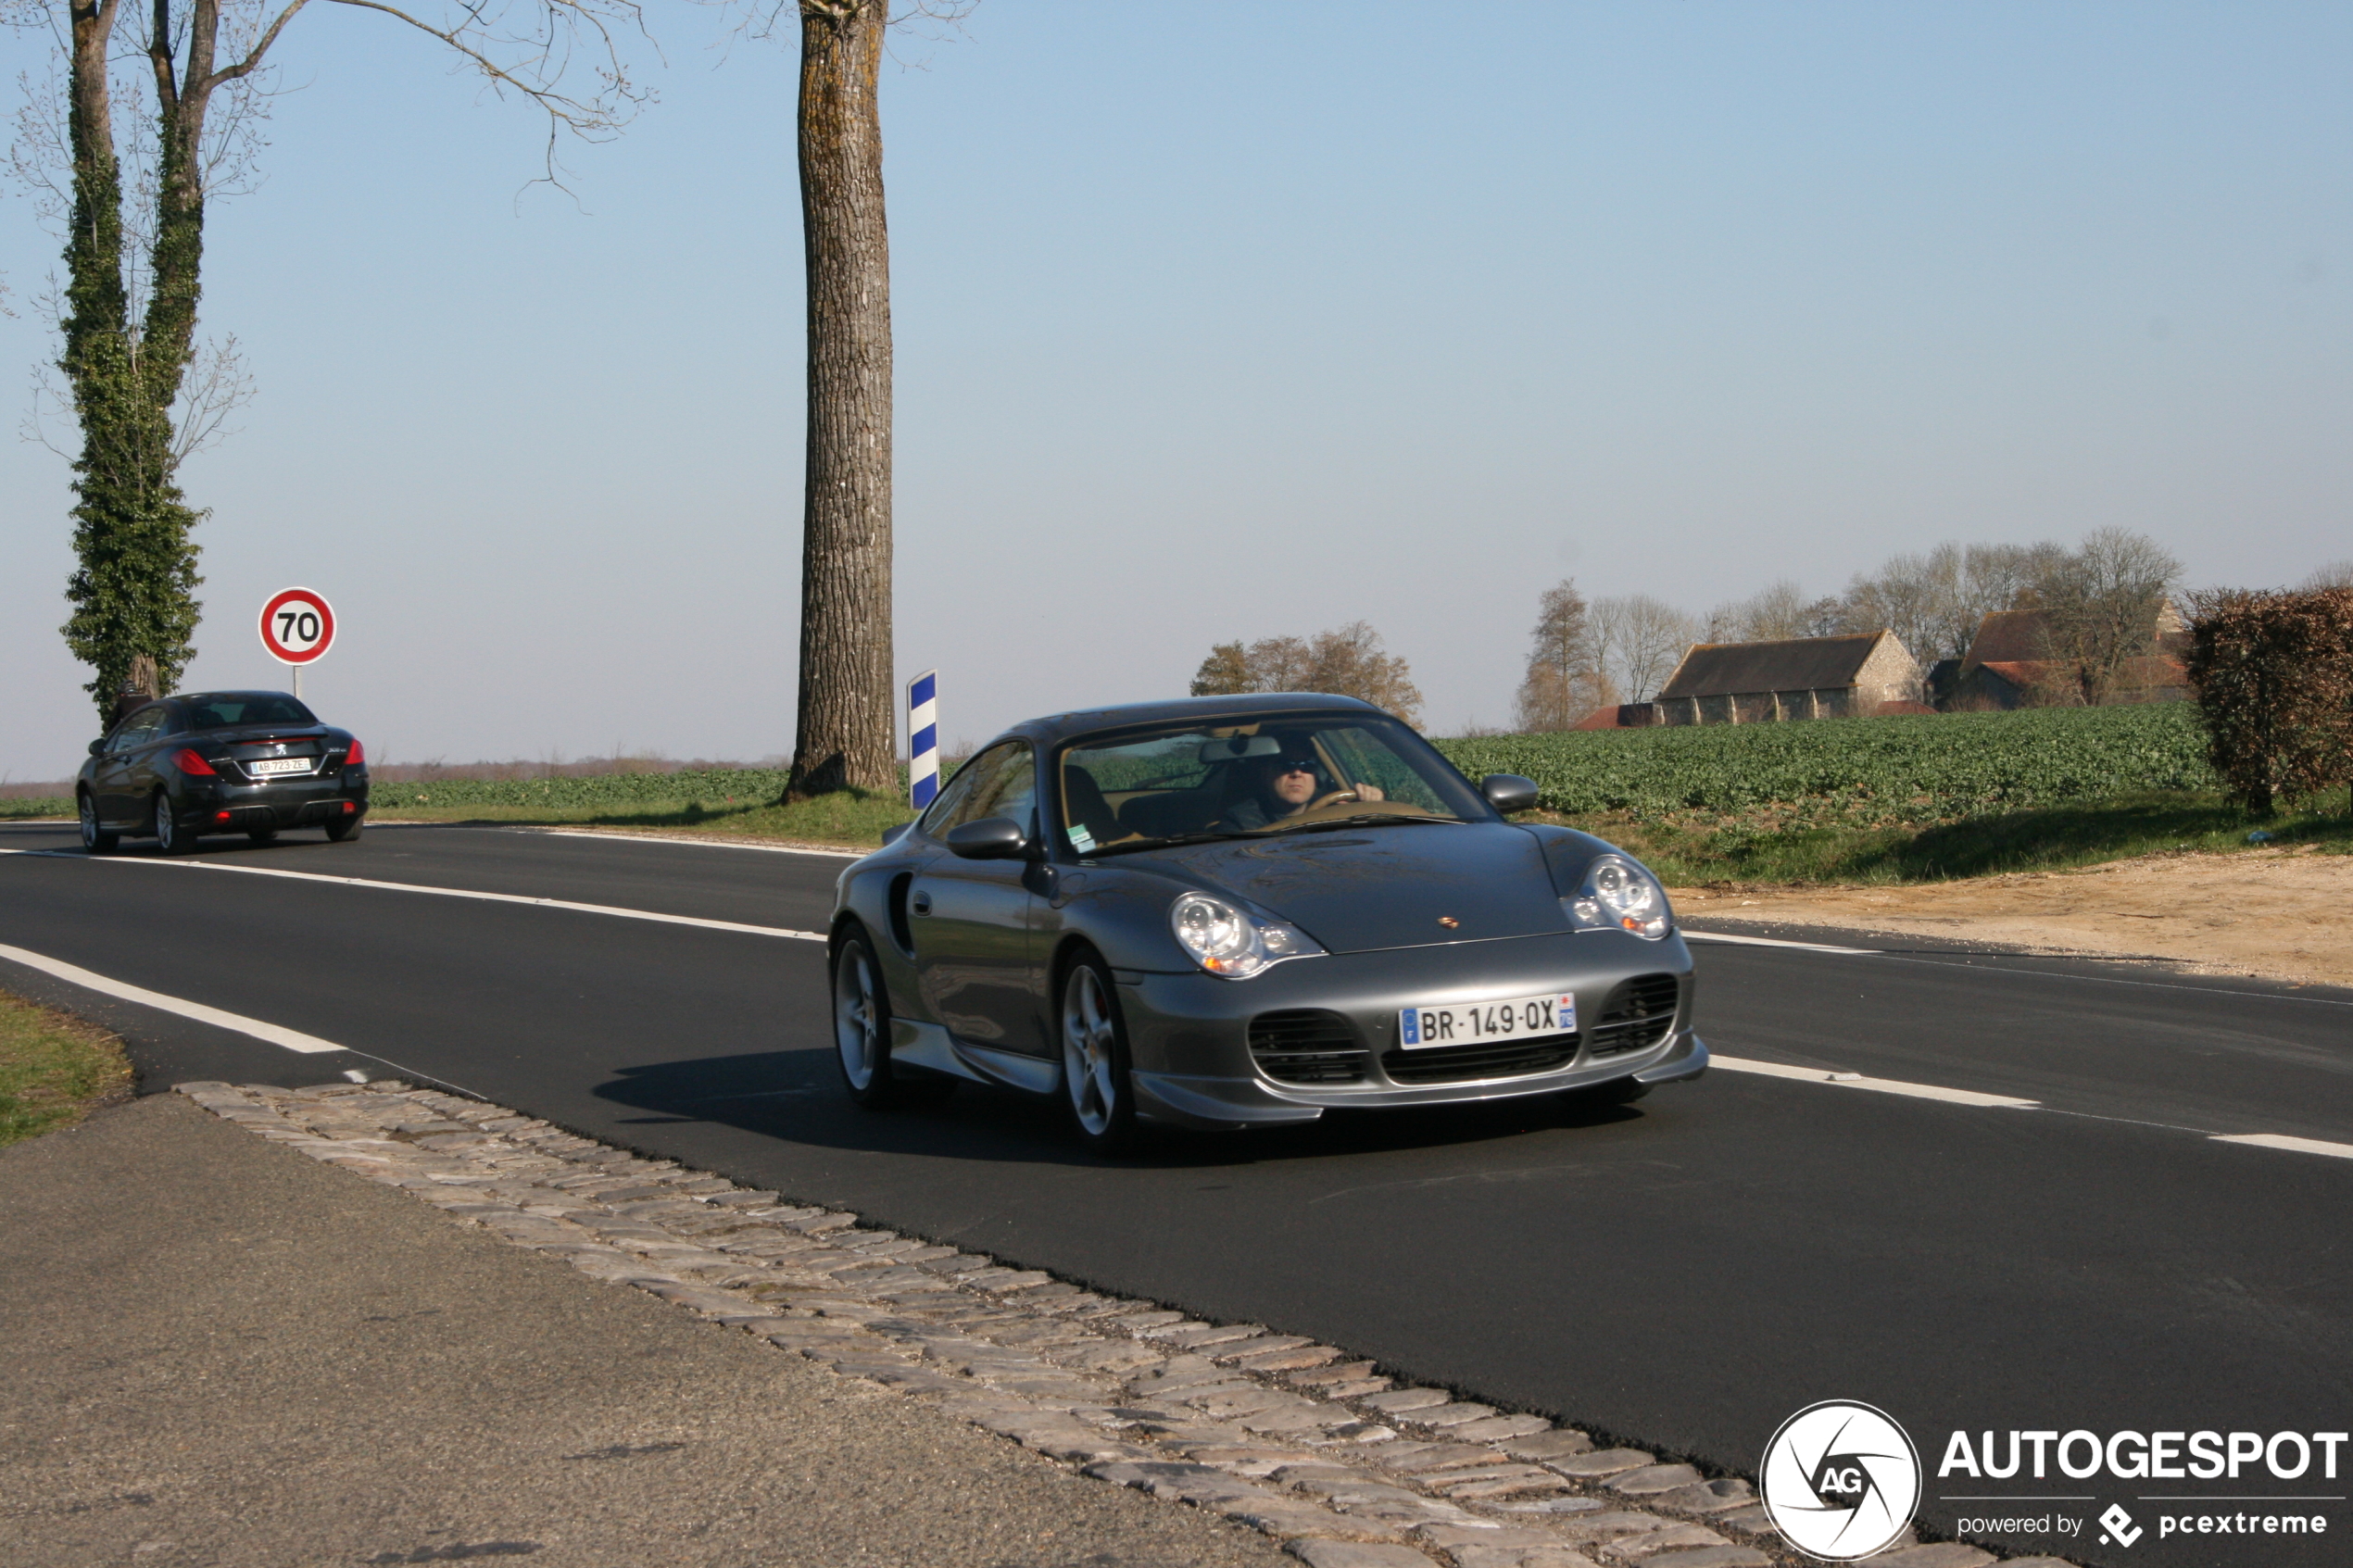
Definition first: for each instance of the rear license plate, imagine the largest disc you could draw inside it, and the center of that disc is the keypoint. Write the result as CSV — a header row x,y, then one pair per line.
x,y
1466,1024
279,765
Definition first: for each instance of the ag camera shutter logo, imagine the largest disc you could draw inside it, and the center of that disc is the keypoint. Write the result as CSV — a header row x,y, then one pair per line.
x,y
1841,1480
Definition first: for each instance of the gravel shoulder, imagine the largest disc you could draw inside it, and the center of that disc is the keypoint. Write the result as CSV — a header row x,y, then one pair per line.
x,y
220,1354
2280,914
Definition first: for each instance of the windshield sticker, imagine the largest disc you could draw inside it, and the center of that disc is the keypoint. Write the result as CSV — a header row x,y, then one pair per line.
x,y
1081,840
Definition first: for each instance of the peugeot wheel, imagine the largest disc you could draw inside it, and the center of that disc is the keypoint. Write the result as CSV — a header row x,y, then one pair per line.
x,y
343,830
262,835
1103,1101
96,839
170,838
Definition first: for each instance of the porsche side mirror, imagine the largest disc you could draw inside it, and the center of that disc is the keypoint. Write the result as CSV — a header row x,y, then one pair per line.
x,y
1508,792
893,833
97,745
991,838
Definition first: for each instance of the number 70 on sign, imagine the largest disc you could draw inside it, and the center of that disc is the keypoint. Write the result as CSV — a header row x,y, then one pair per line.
x,y
298,626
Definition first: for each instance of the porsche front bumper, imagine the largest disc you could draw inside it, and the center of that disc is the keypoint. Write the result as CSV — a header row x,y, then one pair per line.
x,y
1190,1034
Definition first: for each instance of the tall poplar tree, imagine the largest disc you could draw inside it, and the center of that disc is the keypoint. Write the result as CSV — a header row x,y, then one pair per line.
x,y
125,357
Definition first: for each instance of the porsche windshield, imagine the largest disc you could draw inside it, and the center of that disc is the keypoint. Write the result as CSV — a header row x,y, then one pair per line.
x,y
1279,774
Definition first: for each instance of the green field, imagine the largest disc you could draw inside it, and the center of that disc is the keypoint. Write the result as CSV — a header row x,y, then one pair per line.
x,y
1834,800
1910,771
13,808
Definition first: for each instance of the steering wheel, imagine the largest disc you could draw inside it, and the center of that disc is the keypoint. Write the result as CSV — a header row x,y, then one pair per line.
x,y
1333,799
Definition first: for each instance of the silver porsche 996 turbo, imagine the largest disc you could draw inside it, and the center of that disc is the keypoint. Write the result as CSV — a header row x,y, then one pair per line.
x,y
1230,912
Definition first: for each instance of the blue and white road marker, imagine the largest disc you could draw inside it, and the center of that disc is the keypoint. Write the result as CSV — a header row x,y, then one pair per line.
x,y
922,737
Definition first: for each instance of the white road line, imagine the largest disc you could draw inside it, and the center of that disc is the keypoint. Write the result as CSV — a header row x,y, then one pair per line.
x,y
2281,1140
613,910
292,1039
2110,979
1883,1085
1769,942
1971,1097
697,843
2001,968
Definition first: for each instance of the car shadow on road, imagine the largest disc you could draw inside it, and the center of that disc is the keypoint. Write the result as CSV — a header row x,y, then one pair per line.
x,y
795,1096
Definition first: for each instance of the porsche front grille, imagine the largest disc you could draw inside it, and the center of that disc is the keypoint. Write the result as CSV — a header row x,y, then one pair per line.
x,y
1637,1016
1307,1046
1510,1058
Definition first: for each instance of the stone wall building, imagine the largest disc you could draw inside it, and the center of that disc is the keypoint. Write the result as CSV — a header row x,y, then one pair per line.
x,y
1800,678
2010,665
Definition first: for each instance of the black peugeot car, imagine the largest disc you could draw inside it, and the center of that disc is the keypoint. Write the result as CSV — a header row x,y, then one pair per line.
x,y
249,762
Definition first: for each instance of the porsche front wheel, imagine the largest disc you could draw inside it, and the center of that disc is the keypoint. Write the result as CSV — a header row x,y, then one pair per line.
x,y
861,1024
1103,1101
862,1034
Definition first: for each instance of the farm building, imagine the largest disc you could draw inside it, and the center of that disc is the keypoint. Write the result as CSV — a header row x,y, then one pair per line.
x,y
2010,665
1801,678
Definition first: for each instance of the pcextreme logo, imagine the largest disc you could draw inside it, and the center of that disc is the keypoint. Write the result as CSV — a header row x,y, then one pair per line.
x,y
1841,1480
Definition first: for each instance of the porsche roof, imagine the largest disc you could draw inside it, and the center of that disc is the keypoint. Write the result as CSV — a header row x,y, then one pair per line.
x,y
1056,727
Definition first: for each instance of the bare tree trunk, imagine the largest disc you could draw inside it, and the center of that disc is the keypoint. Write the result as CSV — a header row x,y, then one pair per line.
x,y
177,257
845,732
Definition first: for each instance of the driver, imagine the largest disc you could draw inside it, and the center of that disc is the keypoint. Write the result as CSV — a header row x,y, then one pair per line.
x,y
1286,785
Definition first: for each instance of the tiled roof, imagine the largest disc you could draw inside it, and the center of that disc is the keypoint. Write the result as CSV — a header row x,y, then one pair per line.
x,y
1799,664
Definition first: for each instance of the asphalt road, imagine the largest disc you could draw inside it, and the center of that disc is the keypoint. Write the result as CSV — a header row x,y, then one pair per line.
x,y
1683,1274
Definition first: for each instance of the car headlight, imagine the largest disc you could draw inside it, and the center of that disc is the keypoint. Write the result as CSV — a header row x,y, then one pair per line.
x,y
1619,895
1232,942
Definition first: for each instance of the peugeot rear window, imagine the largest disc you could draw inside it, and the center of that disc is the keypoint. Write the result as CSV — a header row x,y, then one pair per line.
x,y
233,708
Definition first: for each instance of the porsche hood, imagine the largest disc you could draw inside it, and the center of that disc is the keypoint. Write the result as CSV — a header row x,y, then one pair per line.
x,y
1403,885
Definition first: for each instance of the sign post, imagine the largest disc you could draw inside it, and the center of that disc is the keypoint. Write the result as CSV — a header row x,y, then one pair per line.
x,y
297,627
923,738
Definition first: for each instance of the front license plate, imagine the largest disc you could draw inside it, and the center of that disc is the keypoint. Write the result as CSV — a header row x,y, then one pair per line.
x,y
1466,1023
279,765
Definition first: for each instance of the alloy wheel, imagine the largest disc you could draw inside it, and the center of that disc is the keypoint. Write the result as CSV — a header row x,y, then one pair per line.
x,y
857,1023
1089,1066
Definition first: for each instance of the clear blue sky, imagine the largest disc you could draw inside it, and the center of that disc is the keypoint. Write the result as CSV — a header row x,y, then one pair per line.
x,y
1220,321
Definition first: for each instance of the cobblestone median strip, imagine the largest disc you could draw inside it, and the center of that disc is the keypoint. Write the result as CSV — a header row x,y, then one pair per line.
x,y
1292,1437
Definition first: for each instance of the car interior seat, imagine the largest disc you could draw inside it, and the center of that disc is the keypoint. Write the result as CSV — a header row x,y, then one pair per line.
x,y
1170,812
1085,807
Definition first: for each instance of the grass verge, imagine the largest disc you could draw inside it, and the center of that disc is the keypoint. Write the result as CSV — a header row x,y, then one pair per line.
x,y
2046,838
19,808
1685,854
850,817
54,1068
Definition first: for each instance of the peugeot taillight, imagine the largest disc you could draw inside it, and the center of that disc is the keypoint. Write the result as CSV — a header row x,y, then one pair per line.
x,y
188,762
359,754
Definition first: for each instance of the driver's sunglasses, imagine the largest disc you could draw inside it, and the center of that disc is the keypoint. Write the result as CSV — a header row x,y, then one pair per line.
x,y
1296,765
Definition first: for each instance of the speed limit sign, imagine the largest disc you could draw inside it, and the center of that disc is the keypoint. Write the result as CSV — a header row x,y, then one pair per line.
x,y
298,626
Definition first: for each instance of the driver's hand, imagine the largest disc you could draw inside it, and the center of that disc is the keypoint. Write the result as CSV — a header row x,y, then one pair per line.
x,y
1368,792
